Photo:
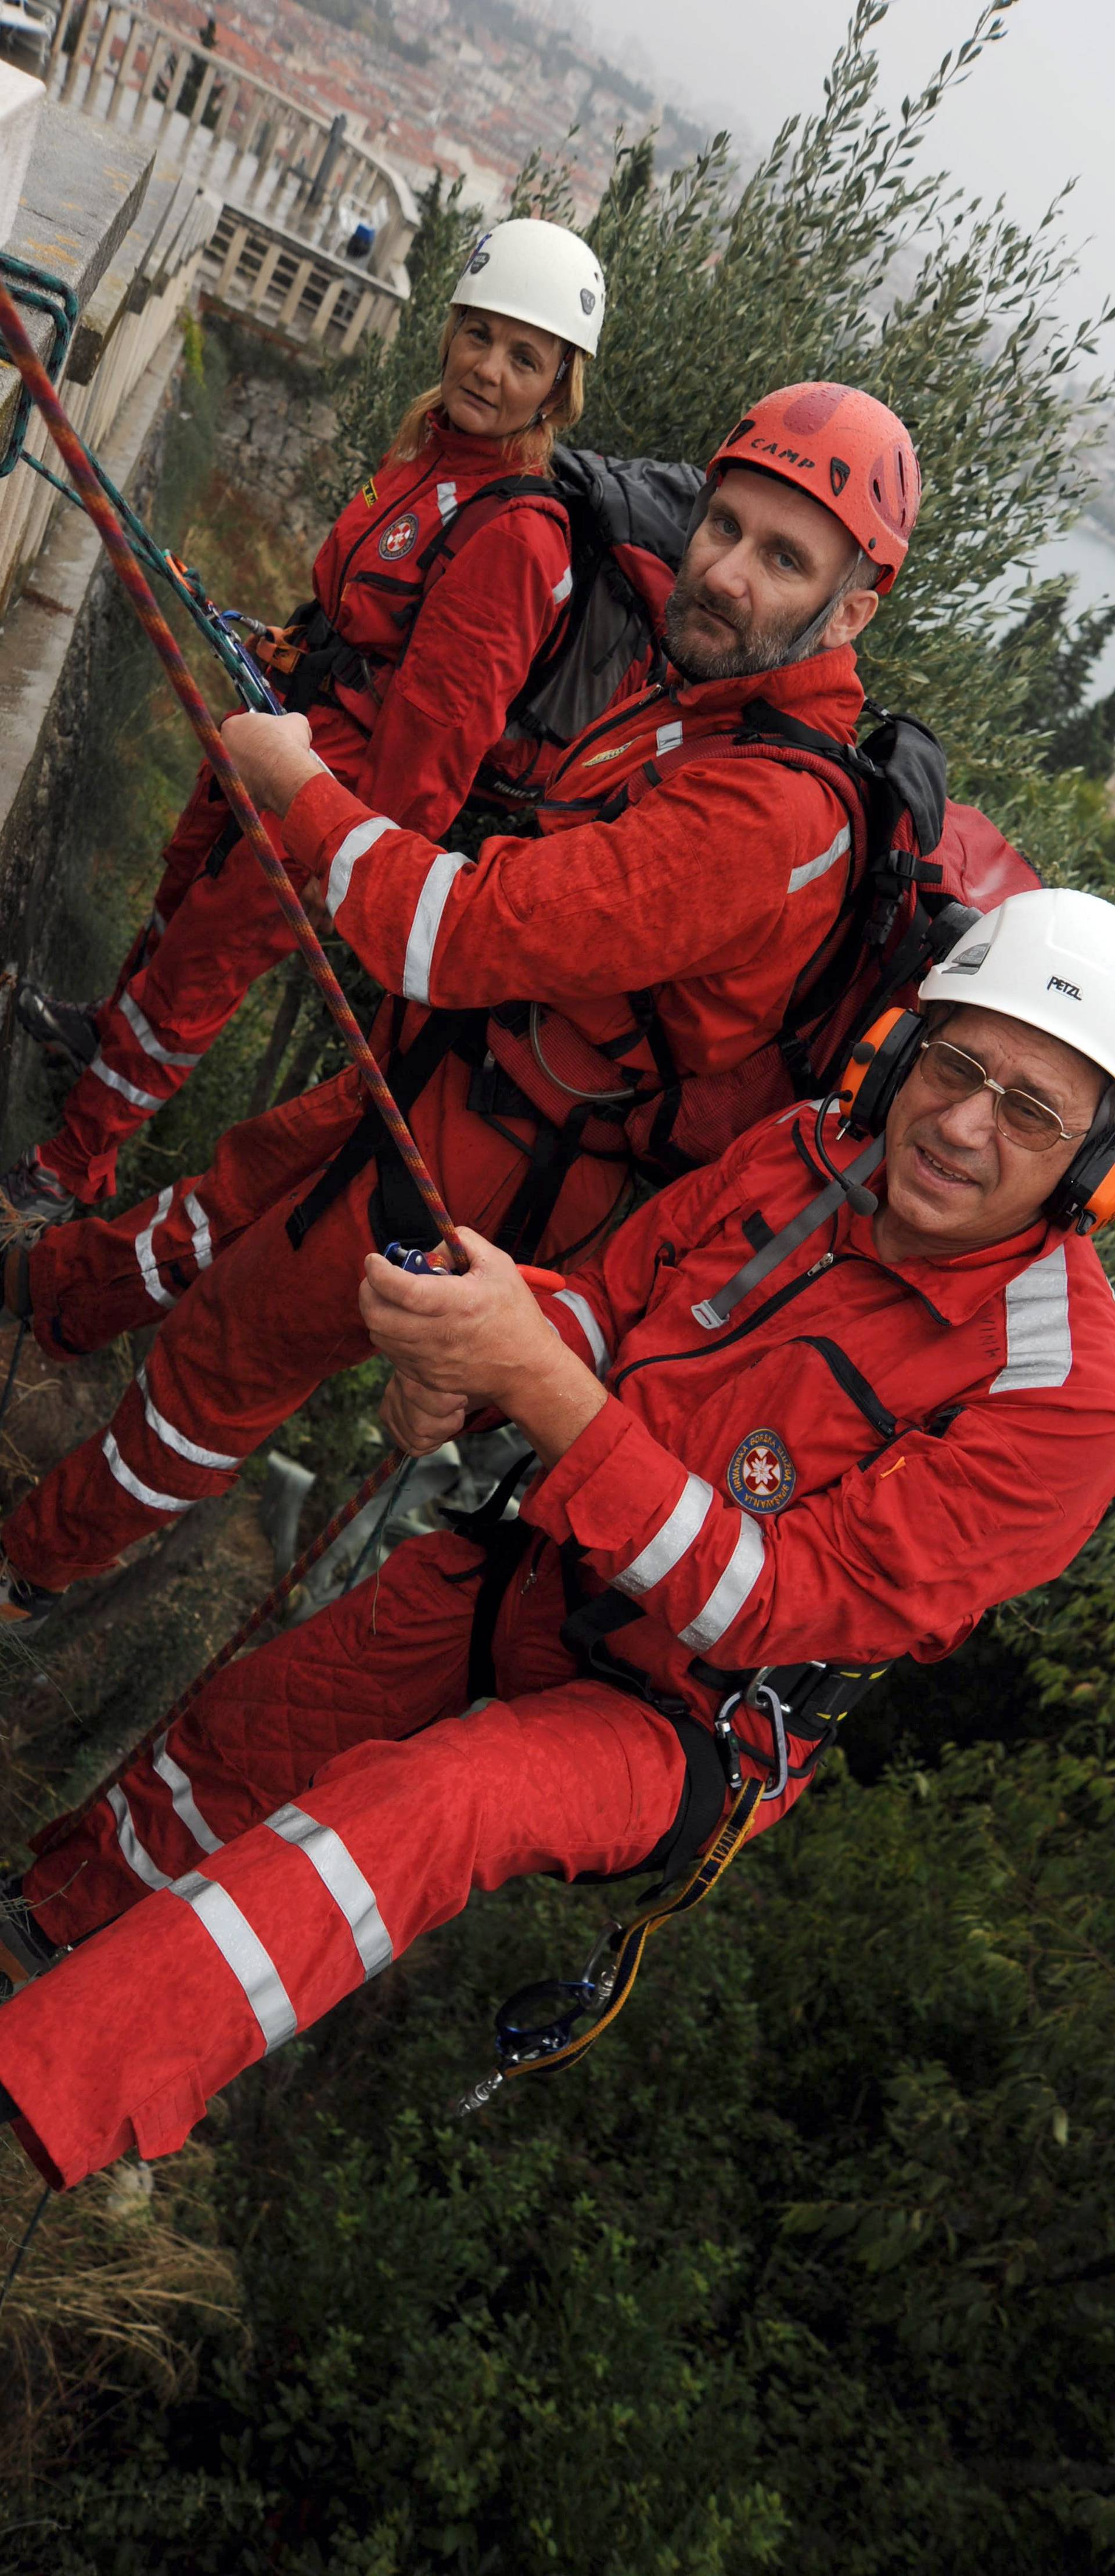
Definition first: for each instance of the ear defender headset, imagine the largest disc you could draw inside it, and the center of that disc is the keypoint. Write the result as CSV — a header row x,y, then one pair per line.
x,y
1084,1197
884,1058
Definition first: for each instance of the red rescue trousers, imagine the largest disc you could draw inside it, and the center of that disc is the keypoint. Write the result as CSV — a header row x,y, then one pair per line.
x,y
207,939
251,1325
327,1799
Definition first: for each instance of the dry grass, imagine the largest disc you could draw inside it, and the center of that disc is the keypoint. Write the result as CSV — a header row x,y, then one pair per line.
x,y
115,2277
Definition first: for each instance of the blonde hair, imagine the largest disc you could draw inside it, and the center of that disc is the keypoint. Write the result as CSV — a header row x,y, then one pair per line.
x,y
530,449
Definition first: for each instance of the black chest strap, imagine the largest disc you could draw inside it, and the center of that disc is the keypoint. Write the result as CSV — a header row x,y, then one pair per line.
x,y
408,1075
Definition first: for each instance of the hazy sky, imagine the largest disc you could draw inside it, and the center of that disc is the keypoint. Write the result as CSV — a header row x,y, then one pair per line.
x,y
1039,107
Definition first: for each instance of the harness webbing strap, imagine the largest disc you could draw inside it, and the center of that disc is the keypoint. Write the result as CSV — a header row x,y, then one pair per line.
x,y
664,1905
713,1311
410,1074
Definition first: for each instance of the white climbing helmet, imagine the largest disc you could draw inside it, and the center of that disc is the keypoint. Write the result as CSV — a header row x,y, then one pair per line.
x,y
537,272
1047,958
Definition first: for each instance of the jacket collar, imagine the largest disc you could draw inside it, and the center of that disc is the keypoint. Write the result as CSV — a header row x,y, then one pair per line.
x,y
824,691
957,1289
466,453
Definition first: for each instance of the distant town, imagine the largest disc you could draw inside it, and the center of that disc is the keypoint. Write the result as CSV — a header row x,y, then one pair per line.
x,y
471,90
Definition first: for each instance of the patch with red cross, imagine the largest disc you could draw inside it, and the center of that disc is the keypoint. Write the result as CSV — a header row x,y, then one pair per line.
x,y
399,538
761,1472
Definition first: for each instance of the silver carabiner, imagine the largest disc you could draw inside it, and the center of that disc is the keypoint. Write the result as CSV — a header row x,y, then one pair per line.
x,y
763,1697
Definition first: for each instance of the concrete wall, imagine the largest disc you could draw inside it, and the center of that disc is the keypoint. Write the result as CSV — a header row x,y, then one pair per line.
x,y
129,241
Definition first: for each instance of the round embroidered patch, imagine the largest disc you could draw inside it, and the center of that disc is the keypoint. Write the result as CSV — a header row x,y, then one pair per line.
x,y
761,1472
399,538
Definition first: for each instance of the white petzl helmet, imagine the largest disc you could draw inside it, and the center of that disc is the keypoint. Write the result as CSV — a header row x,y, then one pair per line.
x,y
1047,958
541,273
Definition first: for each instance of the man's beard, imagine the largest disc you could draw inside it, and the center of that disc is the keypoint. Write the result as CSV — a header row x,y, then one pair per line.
x,y
757,648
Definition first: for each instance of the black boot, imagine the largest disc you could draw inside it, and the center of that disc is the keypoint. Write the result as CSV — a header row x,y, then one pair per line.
x,y
66,1031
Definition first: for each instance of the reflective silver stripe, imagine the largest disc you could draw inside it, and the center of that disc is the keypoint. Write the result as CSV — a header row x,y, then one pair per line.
x,y
725,1602
346,1884
813,868
668,1547
667,737
202,1239
148,1266
157,924
131,1847
128,1091
563,587
1039,1336
177,1440
427,923
243,1952
142,1029
134,1485
182,1800
353,847
579,1306
447,502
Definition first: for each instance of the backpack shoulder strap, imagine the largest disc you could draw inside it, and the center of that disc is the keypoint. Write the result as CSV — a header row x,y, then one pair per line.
x,y
477,511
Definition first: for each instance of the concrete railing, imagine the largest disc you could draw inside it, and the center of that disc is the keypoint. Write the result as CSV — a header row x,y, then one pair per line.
x,y
293,187
130,243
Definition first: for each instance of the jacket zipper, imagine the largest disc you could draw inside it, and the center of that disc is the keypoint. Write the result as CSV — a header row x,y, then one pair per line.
x,y
606,724
739,1332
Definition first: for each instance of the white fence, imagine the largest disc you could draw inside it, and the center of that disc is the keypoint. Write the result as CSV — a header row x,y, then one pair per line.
x,y
293,186
132,283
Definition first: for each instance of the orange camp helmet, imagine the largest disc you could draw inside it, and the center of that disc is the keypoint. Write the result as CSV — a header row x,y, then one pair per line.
x,y
847,451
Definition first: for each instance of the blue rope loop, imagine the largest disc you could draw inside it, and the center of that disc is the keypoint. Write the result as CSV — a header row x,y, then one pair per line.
x,y
44,293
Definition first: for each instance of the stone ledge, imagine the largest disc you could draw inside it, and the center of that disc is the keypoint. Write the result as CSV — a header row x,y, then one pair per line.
x,y
82,195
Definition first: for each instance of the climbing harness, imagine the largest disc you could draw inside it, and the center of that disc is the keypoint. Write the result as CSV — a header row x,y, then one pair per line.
x,y
535,2028
42,292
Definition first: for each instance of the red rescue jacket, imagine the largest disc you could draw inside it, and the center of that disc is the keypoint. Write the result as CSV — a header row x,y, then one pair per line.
x,y
410,730
712,893
861,1461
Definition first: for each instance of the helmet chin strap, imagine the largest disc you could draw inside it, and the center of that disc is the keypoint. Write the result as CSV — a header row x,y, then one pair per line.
x,y
810,636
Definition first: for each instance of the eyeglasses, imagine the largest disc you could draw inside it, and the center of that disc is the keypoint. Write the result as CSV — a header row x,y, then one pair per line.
x,y
952,1075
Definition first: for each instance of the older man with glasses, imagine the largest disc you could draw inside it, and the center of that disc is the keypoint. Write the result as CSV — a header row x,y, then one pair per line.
x,y
787,1428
